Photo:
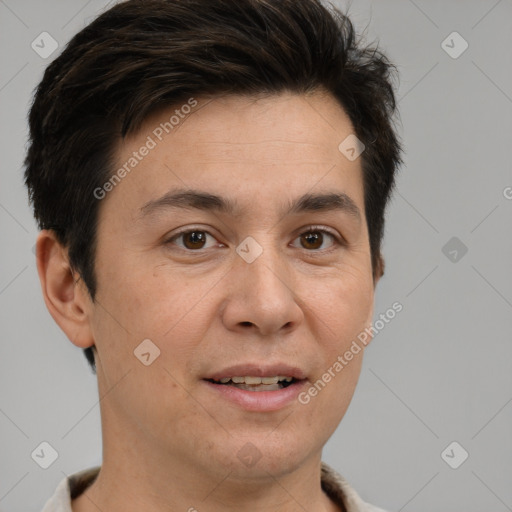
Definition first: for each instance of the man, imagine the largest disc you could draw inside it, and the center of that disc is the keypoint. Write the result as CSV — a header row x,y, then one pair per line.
x,y
210,179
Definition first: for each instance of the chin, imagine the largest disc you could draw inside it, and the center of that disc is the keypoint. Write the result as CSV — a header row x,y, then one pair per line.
x,y
260,458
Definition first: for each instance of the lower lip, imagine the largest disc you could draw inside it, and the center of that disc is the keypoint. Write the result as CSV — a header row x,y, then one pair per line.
x,y
261,401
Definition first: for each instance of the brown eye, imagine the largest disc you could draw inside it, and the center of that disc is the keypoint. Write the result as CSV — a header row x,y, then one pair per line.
x,y
314,239
191,240
194,239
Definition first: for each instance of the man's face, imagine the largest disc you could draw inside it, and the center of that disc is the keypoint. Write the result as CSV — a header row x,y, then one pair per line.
x,y
271,291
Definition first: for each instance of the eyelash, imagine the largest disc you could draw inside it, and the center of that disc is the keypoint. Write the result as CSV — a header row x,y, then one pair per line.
x,y
310,229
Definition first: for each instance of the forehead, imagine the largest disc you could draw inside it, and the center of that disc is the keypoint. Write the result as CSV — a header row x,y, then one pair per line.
x,y
254,149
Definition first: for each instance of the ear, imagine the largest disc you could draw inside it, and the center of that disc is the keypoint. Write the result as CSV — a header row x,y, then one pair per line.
x,y
378,271
64,293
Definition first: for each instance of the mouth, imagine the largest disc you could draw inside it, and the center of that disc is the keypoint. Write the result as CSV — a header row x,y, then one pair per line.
x,y
257,388
253,383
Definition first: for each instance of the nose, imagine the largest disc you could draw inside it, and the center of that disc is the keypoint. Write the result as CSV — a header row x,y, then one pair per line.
x,y
262,295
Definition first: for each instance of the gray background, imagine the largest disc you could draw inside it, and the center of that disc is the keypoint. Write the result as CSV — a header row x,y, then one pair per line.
x,y
439,372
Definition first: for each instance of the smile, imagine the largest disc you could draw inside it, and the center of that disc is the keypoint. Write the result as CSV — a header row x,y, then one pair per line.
x,y
250,383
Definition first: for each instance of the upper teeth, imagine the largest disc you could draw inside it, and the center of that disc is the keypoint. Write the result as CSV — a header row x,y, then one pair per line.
x,y
256,380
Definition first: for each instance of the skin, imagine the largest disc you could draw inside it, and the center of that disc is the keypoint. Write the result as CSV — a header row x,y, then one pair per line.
x,y
169,443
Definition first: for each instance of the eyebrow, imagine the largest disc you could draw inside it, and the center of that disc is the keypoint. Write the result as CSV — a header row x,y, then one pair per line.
x,y
197,199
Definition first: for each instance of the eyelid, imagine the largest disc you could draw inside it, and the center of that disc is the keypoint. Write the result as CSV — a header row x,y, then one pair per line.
x,y
319,227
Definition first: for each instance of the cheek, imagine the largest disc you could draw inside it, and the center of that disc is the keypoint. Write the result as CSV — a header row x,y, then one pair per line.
x,y
161,306
146,301
342,306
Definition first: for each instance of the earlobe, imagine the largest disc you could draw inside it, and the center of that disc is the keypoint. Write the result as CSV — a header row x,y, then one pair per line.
x,y
63,294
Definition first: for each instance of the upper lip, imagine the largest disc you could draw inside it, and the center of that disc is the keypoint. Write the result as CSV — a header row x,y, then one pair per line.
x,y
256,370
